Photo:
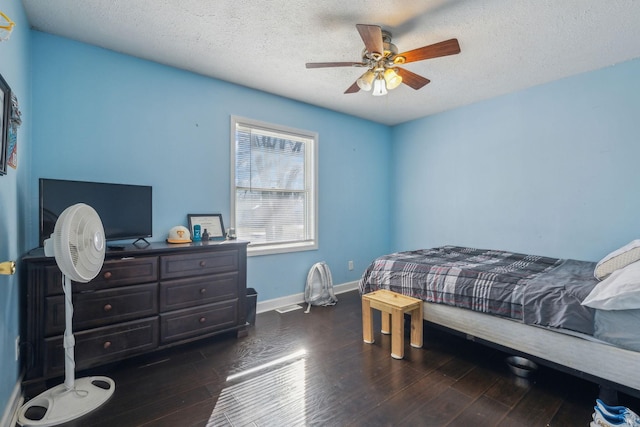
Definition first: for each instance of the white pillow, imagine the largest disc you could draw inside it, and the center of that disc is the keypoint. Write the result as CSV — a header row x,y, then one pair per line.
x,y
619,291
618,259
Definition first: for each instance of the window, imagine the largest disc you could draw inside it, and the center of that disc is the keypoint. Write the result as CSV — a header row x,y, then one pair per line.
x,y
273,186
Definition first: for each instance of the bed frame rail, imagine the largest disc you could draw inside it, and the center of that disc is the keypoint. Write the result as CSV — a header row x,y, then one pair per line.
x,y
597,360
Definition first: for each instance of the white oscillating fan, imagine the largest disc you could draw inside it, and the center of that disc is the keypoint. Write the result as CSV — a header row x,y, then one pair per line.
x,y
78,245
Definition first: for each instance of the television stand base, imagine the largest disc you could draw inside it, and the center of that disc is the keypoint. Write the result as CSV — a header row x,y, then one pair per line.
x,y
139,245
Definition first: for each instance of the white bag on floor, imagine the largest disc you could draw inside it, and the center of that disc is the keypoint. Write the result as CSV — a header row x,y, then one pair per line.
x,y
319,287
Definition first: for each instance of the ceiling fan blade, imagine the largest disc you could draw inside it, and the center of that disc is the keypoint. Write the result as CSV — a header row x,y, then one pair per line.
x,y
353,88
447,47
411,79
333,64
372,37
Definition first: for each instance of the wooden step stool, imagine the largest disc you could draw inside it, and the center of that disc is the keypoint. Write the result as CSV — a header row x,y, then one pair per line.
x,y
392,306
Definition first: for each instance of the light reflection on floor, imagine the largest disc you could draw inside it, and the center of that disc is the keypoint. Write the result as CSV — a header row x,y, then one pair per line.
x,y
271,391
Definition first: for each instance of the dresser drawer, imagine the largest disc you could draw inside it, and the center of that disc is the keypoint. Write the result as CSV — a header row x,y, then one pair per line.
x,y
197,321
115,272
103,345
99,308
197,264
53,280
118,272
176,294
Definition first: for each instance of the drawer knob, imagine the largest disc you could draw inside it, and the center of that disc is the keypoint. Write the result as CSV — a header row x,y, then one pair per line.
x,y
108,307
203,291
107,275
203,319
106,344
203,263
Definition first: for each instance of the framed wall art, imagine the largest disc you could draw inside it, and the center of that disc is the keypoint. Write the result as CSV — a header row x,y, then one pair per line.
x,y
5,107
209,223
15,120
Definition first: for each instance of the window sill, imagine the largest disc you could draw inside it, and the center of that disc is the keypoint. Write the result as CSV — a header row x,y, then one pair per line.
x,y
281,248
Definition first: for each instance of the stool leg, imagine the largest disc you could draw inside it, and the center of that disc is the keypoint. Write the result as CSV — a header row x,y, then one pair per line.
x,y
397,334
386,323
416,327
367,324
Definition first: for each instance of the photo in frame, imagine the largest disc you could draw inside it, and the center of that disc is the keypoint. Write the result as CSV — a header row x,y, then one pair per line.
x,y
5,106
210,223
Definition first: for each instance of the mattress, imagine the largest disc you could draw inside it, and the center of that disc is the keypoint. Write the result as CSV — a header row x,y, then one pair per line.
x,y
532,289
619,327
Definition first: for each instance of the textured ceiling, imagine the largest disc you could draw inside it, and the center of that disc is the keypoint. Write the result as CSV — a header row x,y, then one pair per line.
x,y
506,45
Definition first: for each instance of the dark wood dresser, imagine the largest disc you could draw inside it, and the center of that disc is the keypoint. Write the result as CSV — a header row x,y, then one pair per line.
x,y
143,299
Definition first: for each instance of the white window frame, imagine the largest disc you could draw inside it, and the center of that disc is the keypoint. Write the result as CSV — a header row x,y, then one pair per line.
x,y
311,186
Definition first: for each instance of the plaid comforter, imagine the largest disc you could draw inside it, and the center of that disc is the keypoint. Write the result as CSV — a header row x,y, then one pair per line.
x,y
488,281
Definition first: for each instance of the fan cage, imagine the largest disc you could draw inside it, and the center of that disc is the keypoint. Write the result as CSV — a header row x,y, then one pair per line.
x,y
79,244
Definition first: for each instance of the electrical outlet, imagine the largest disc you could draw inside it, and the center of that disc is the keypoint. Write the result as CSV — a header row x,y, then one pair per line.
x,y
350,265
17,348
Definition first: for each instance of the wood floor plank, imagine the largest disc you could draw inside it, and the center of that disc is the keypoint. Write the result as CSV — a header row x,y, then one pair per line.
x,y
456,368
508,389
475,382
571,413
536,408
413,398
191,416
439,411
482,412
142,414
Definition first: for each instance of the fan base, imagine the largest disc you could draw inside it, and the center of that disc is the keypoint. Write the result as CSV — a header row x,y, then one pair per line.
x,y
61,405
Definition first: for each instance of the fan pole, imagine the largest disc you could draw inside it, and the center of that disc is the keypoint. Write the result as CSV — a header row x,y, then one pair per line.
x,y
69,340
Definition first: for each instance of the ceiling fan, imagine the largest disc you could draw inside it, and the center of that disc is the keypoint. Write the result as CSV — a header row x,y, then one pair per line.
x,y
381,57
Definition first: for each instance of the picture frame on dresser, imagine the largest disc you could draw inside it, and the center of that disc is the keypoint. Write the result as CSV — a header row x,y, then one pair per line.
x,y
212,223
5,107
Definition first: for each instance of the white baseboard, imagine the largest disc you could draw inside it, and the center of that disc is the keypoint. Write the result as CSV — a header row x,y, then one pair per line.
x,y
272,304
10,416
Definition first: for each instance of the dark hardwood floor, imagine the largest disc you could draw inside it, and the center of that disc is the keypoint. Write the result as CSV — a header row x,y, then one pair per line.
x,y
314,369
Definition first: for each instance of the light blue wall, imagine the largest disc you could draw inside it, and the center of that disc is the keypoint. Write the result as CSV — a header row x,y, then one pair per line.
x,y
15,68
552,170
103,116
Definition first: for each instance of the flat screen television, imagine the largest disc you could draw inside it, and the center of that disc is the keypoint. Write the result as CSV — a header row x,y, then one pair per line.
x,y
125,210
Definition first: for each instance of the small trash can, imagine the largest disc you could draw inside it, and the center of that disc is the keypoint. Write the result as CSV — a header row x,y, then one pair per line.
x,y
252,300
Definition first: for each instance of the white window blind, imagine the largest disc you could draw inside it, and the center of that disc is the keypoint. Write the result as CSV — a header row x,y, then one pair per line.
x,y
274,191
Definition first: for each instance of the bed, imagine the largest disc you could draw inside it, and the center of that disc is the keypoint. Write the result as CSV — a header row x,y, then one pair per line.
x,y
537,306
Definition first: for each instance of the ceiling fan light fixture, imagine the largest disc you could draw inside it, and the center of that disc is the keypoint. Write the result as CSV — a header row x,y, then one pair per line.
x,y
365,82
392,78
381,57
379,87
